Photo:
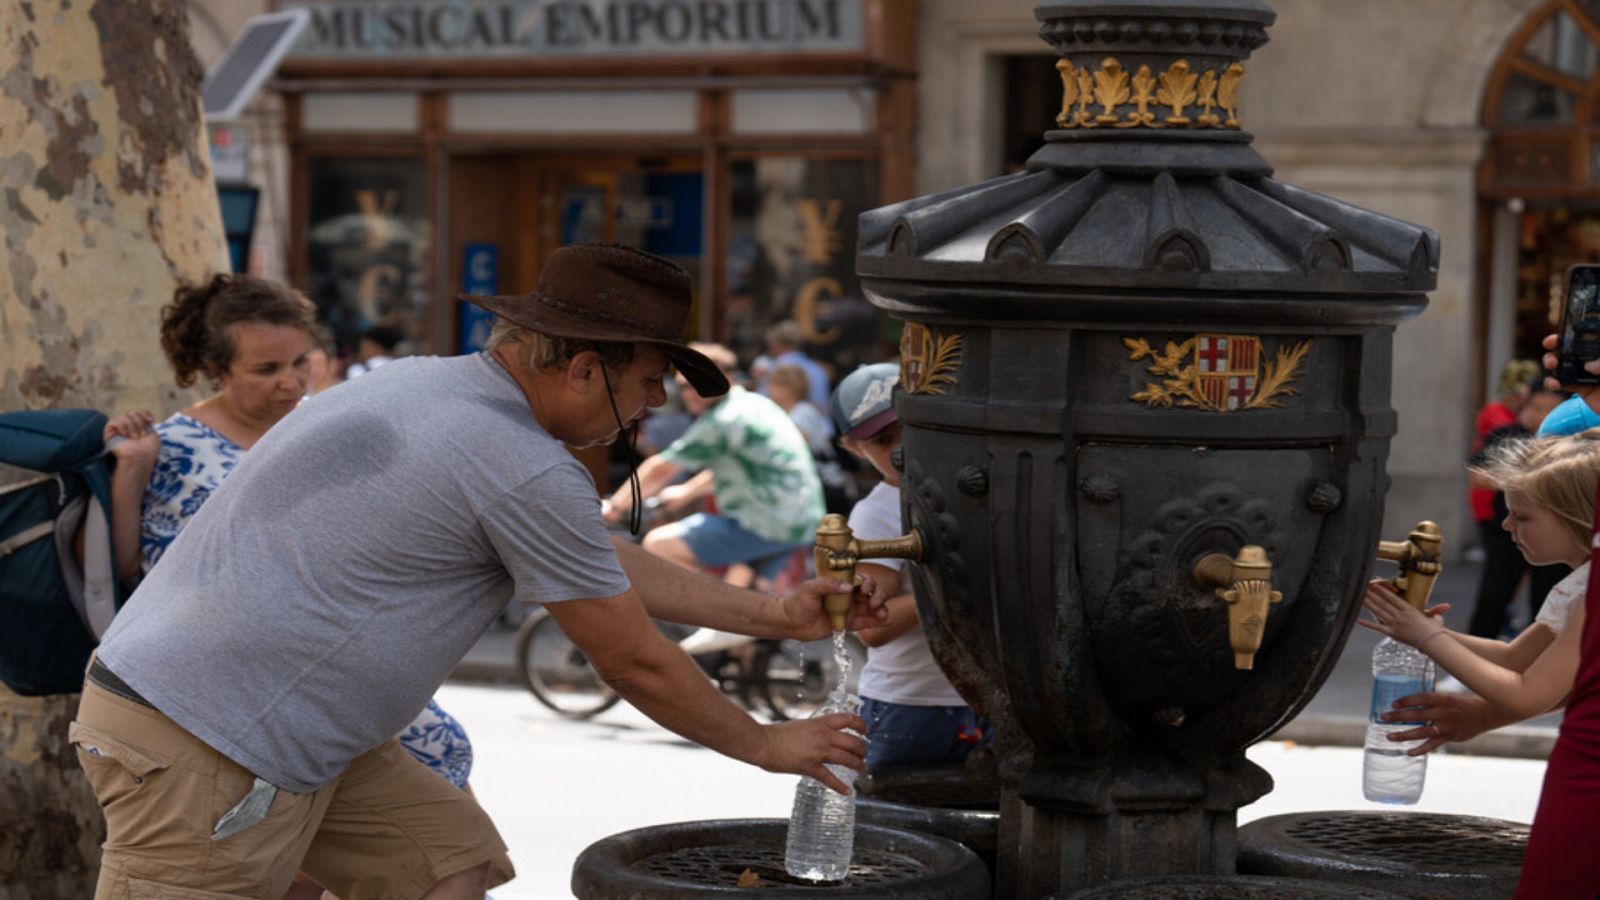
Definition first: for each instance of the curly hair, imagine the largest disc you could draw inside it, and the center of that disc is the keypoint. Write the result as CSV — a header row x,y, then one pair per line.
x,y
197,326
1559,474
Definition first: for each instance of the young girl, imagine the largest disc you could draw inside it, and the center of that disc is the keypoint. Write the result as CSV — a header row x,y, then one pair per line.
x,y
1550,491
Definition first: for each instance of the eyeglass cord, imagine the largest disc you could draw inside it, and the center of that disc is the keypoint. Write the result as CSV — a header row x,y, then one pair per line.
x,y
630,438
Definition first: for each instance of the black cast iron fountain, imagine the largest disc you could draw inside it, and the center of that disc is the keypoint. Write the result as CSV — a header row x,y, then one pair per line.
x,y
1146,412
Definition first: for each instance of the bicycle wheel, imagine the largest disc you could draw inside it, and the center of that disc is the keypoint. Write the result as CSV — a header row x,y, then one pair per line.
x,y
796,677
556,671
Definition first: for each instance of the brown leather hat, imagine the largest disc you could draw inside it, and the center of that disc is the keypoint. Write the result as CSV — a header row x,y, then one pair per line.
x,y
612,292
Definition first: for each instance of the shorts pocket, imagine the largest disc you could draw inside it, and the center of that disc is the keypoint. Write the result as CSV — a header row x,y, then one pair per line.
x,y
114,768
97,743
142,889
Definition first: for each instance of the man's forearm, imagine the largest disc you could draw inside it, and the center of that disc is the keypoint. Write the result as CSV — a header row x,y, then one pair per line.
x,y
666,685
691,598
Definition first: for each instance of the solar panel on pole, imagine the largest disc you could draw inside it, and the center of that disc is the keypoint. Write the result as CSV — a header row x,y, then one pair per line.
x,y
249,61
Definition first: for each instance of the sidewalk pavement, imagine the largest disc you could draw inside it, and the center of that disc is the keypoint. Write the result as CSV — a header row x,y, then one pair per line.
x,y
1335,717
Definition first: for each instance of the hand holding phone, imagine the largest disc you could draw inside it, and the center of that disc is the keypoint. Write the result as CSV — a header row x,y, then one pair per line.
x,y
1580,326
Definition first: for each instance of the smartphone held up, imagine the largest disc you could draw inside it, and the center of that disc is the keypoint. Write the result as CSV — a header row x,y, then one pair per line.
x,y
1580,326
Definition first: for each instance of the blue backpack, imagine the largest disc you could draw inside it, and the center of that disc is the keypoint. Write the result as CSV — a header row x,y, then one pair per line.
x,y
54,480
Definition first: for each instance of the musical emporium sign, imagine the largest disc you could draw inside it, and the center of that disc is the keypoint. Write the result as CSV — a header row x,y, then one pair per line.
x,y
400,29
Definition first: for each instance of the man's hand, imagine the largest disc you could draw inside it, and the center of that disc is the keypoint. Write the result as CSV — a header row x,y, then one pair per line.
x,y
1451,717
808,621
1589,392
808,746
140,445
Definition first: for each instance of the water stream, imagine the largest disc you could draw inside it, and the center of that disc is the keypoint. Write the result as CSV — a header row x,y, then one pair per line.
x,y
841,661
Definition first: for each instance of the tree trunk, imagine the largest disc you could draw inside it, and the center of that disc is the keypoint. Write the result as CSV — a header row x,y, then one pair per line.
x,y
50,824
106,203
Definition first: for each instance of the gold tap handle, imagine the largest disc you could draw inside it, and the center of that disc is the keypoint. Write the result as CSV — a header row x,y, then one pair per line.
x,y
837,552
1419,560
832,557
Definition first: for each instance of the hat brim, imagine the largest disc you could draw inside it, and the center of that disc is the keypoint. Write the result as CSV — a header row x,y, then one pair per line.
x,y
698,369
872,425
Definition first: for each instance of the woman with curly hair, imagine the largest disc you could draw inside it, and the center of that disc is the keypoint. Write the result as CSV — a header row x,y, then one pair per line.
x,y
250,338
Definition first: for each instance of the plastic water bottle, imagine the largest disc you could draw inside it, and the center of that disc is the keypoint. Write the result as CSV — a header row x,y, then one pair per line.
x,y
822,827
1388,775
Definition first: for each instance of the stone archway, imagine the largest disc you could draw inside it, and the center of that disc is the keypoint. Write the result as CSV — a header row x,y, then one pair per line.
x,y
1539,179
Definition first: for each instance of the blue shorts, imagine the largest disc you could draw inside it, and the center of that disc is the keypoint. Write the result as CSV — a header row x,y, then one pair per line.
x,y
721,541
898,733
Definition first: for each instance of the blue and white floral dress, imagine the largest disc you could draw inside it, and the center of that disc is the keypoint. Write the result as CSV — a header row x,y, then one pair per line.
x,y
193,460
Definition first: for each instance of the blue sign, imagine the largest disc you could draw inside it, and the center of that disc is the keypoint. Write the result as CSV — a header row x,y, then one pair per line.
x,y
480,274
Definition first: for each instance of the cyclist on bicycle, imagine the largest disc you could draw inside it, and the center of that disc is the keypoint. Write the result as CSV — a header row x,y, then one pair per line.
x,y
752,455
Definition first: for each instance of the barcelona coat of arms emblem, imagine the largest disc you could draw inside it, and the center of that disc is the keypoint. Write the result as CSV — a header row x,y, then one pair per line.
x,y
1218,372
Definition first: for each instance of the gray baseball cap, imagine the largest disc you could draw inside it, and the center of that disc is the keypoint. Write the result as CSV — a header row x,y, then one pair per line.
x,y
863,403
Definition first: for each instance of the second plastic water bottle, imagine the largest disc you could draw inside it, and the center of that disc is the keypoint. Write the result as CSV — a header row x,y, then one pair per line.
x,y
822,827
1388,775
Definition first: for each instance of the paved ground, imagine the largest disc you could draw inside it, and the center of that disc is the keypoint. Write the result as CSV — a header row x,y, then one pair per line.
x,y
555,786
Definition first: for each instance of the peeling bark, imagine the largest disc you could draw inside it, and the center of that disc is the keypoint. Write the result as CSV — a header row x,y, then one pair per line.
x,y
101,149
102,153
50,824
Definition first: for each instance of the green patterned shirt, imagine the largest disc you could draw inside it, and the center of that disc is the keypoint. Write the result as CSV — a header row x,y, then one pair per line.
x,y
766,480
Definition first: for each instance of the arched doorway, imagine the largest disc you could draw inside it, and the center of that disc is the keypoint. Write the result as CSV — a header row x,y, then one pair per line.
x,y
1540,175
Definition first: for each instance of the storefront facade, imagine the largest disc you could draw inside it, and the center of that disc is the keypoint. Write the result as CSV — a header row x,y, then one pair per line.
x,y
423,148
441,148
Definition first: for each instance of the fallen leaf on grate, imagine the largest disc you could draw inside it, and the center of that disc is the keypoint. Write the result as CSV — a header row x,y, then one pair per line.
x,y
748,878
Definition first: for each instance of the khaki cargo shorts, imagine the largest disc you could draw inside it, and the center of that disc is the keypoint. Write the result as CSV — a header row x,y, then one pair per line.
x,y
387,827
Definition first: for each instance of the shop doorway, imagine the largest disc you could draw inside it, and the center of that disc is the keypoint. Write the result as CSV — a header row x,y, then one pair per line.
x,y
508,210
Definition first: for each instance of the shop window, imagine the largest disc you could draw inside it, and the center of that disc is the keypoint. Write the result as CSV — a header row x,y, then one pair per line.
x,y
1530,102
1550,240
792,256
1561,44
367,243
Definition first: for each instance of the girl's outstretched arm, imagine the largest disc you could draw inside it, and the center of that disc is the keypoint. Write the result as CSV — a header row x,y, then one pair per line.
x,y
1517,655
1547,680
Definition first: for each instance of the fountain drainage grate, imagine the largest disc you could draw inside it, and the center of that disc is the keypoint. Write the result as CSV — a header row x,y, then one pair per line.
x,y
722,866
1422,839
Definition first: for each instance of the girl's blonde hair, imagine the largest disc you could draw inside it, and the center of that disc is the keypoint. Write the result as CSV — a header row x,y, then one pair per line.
x,y
1559,474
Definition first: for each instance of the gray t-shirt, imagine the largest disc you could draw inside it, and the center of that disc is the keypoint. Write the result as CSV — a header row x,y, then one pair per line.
x,y
327,588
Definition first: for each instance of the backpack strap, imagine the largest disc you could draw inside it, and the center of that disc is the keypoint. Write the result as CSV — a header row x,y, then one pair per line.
x,y
100,601
26,536
23,483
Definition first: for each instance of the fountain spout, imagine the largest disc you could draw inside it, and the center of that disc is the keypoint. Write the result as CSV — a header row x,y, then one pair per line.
x,y
1245,584
1419,559
838,551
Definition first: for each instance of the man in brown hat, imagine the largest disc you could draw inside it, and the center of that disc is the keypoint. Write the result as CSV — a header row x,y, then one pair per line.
x,y
236,723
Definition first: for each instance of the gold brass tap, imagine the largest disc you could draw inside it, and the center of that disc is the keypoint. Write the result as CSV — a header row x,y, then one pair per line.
x,y
838,551
1419,559
1245,584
